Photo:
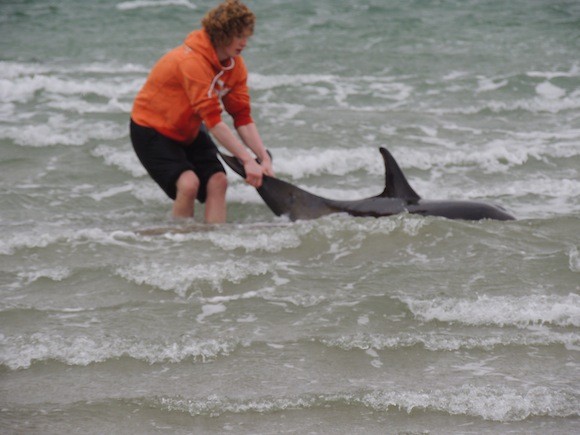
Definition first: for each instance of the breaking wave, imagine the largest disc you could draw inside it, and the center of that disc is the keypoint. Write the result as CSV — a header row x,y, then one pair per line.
x,y
500,310
490,403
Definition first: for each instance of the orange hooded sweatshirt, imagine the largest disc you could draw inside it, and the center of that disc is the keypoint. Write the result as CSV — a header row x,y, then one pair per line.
x,y
185,87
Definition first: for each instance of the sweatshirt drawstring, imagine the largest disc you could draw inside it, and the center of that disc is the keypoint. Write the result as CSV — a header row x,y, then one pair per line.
x,y
218,75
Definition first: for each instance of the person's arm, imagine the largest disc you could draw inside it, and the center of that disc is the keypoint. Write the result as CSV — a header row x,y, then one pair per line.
x,y
237,104
251,137
229,141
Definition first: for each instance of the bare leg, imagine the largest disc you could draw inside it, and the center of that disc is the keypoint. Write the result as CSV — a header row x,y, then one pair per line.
x,y
215,204
187,187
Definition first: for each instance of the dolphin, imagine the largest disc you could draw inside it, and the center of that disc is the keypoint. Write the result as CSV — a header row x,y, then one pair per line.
x,y
285,199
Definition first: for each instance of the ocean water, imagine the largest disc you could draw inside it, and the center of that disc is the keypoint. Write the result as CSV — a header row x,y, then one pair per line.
x,y
116,319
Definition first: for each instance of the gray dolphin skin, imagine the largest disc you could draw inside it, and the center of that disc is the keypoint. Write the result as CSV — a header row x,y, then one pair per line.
x,y
285,199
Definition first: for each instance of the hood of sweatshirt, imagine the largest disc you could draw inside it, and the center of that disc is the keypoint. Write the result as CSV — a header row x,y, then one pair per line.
x,y
199,42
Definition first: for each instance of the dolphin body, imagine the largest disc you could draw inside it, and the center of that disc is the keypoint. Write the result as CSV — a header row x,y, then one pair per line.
x,y
285,199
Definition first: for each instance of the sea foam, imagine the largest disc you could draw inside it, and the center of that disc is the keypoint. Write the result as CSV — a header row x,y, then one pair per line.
x,y
139,4
500,310
20,352
434,341
47,235
180,279
490,403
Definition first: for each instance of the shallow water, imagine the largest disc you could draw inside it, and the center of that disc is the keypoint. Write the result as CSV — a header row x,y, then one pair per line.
x,y
116,319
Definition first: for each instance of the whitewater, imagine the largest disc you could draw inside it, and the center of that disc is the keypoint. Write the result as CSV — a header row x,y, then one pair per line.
x,y
114,318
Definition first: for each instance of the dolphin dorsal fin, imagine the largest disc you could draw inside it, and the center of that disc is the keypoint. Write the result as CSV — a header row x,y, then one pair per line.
x,y
396,185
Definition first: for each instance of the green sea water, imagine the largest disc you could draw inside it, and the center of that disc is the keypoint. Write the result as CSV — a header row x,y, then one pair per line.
x,y
116,319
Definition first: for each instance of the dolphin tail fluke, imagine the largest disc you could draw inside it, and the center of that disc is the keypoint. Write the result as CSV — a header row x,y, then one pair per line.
x,y
283,198
234,164
396,184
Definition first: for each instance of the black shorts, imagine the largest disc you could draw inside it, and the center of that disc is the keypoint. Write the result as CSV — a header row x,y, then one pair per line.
x,y
166,159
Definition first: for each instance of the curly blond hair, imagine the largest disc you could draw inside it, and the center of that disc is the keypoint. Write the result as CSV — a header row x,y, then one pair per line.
x,y
228,20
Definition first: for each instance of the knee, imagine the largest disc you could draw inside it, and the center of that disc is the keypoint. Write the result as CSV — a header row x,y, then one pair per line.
x,y
218,183
187,184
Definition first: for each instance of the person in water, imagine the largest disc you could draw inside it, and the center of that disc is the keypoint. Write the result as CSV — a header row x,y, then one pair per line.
x,y
181,102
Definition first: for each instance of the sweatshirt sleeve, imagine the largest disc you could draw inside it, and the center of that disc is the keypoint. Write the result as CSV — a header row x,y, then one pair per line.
x,y
237,101
196,82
